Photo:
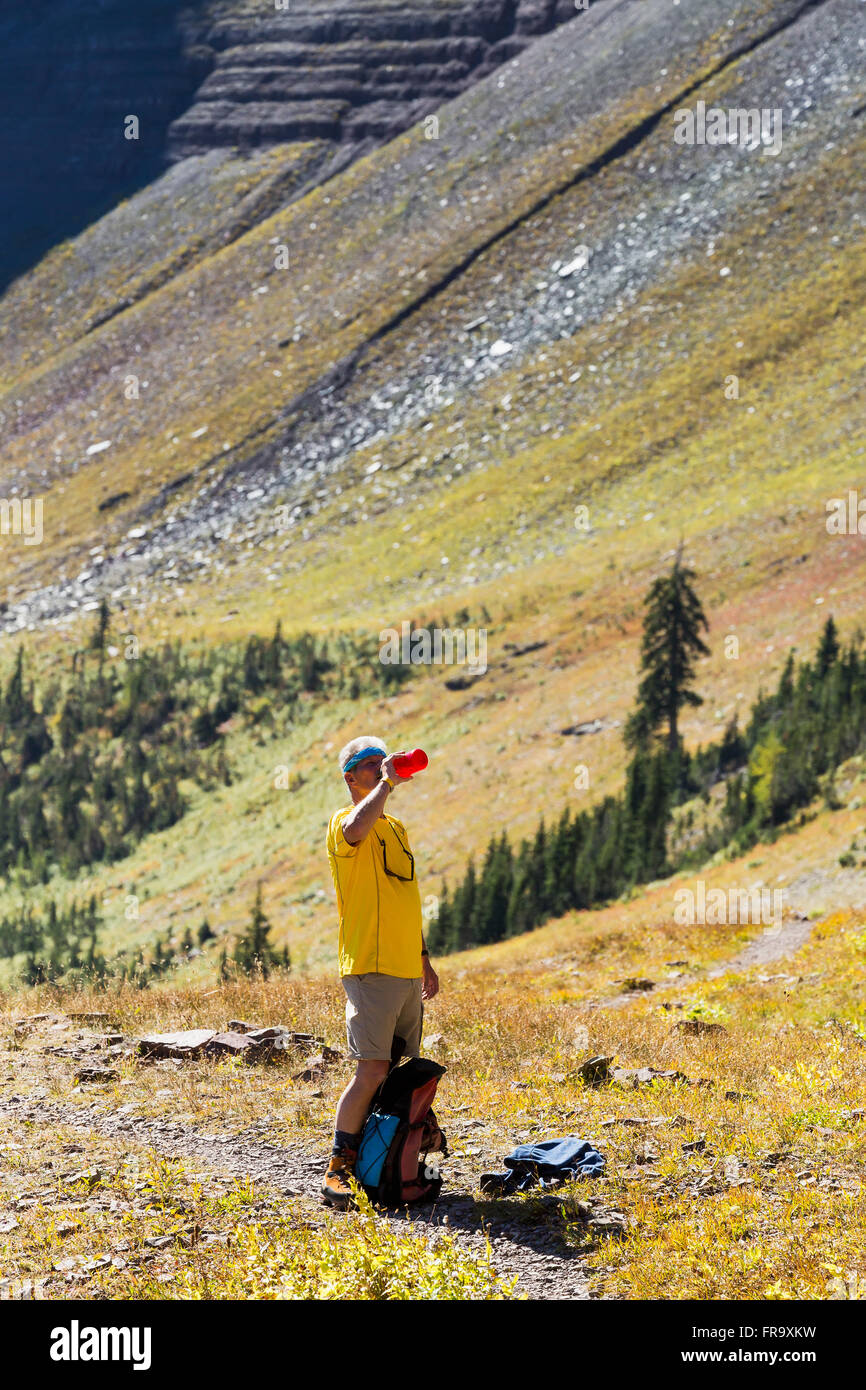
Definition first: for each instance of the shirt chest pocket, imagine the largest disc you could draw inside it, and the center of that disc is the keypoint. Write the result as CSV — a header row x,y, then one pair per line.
x,y
395,857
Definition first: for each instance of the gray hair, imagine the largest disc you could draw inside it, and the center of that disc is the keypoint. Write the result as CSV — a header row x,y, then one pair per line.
x,y
355,745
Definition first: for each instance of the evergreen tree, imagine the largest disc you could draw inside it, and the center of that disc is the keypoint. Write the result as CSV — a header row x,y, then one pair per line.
x,y
253,679
828,648
654,817
733,813
631,846
463,911
494,889
274,658
100,633
522,915
253,953
158,962
438,932
785,692
538,863
733,752
15,704
671,642
607,842
559,866
311,665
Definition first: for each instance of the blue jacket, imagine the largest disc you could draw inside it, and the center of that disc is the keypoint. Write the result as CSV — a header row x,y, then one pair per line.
x,y
549,1162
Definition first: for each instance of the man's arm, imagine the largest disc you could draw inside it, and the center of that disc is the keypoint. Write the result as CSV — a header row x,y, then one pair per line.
x,y
430,985
362,817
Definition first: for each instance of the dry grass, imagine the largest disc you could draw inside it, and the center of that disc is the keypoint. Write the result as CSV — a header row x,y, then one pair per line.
x,y
771,1207
137,1226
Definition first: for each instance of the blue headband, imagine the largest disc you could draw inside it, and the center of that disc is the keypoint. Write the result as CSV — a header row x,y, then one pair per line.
x,y
364,753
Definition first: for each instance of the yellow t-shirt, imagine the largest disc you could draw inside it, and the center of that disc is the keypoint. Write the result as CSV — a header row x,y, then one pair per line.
x,y
380,914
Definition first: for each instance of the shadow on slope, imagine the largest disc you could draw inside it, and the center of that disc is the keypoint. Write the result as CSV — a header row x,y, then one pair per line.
x,y
71,72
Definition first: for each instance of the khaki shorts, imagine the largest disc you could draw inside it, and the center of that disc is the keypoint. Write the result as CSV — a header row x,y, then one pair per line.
x,y
378,1009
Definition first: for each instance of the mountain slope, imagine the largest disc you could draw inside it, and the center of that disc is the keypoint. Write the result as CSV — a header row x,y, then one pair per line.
x,y
244,350
407,418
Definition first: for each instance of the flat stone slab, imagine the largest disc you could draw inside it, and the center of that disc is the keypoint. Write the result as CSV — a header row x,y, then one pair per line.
x,y
239,1039
190,1043
236,1044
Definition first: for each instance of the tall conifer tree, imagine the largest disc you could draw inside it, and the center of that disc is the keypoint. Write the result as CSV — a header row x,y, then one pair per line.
x,y
671,642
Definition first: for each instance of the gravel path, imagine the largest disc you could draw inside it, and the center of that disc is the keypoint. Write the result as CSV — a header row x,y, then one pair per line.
x,y
531,1252
776,943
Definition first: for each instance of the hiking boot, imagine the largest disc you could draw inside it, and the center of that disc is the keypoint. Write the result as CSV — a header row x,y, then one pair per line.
x,y
336,1191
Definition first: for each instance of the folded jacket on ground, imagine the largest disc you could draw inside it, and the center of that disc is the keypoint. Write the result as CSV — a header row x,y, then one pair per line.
x,y
546,1164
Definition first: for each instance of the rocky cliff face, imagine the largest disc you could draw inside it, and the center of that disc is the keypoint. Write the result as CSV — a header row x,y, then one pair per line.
x,y
71,71
207,74
361,72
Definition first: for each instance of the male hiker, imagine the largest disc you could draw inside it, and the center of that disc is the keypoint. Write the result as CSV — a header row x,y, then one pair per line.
x,y
384,963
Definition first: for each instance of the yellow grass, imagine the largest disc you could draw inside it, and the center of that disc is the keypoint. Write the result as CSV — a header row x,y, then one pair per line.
x,y
731,1220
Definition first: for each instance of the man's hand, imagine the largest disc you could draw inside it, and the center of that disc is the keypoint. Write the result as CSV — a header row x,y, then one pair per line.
x,y
430,980
387,767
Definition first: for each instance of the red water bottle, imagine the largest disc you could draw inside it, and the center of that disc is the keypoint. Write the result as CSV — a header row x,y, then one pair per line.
x,y
405,764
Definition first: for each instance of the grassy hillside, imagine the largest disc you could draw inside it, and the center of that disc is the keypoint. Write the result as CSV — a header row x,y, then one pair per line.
x,y
755,1155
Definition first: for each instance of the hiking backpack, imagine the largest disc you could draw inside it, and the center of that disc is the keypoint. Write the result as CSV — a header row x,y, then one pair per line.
x,y
401,1132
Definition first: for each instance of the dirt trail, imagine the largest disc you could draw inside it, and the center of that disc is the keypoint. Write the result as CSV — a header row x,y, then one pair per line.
x,y
530,1251
776,943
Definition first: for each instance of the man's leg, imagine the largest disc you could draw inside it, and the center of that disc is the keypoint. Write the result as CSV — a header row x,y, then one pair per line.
x,y
354,1104
352,1111
410,1021
372,1004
